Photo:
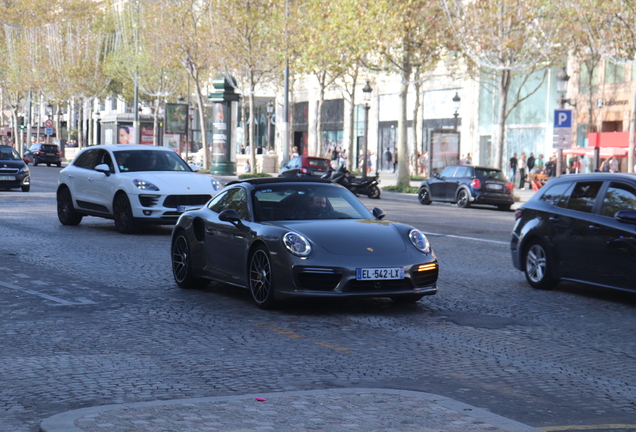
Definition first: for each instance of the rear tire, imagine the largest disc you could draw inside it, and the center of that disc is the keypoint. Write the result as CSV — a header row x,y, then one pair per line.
x,y
538,267
463,198
259,279
182,264
504,207
424,196
374,192
123,215
65,211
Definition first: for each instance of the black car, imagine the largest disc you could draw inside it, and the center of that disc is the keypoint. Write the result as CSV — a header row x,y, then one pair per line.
x,y
466,185
305,166
283,238
14,172
49,154
579,227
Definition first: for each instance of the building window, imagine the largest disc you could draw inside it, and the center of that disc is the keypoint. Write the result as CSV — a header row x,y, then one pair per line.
x,y
614,73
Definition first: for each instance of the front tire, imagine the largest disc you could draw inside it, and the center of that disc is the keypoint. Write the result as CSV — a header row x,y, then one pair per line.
x,y
182,264
259,279
424,196
374,192
537,266
65,211
463,198
123,215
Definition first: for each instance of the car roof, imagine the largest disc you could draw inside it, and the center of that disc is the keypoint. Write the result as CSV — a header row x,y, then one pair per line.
x,y
276,180
116,147
474,166
596,176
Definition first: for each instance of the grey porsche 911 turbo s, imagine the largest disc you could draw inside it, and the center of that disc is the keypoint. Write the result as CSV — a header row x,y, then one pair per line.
x,y
284,238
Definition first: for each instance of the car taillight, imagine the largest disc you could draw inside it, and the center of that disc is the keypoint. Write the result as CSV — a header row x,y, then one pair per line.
x,y
476,184
510,187
40,152
518,213
304,170
58,154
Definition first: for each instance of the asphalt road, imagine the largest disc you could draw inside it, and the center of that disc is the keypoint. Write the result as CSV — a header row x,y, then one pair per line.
x,y
93,317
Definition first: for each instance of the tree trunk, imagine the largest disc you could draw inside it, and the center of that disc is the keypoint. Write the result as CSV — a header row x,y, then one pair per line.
x,y
252,123
155,123
632,127
204,141
403,150
351,153
317,150
504,86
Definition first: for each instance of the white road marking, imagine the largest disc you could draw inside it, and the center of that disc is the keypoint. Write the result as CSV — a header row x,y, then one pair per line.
x,y
81,301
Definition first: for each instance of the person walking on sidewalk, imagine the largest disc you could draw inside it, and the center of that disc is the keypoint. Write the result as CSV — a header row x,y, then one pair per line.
x,y
512,167
388,160
521,166
530,162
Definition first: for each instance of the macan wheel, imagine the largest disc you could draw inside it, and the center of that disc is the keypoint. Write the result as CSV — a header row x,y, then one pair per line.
x,y
65,211
463,198
537,266
259,278
123,214
182,264
424,196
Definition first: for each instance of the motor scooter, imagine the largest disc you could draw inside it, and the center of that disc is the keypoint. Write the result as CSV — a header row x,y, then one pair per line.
x,y
360,186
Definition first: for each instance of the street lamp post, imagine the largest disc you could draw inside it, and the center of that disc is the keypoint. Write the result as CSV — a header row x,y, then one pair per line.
x,y
366,92
562,79
182,100
456,101
270,111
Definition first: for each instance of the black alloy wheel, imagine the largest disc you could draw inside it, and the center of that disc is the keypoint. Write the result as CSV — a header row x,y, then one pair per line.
x,y
537,266
65,211
35,162
463,198
424,196
182,264
123,214
374,192
259,279
407,298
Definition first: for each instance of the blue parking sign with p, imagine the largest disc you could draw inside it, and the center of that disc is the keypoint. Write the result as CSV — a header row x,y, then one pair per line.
x,y
562,118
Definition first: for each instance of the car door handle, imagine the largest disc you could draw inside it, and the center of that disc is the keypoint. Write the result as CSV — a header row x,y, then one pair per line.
x,y
71,176
554,218
91,179
594,227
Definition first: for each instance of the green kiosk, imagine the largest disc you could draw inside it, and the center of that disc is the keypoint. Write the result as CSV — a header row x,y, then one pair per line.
x,y
223,98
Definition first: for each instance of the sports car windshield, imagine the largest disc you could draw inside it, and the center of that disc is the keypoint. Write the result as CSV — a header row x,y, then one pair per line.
x,y
276,202
149,160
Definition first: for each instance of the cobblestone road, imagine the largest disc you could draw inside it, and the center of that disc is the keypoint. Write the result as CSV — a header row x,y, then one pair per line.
x,y
91,317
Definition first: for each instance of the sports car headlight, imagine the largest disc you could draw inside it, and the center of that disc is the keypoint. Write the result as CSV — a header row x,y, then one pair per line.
x,y
144,185
420,241
216,185
297,244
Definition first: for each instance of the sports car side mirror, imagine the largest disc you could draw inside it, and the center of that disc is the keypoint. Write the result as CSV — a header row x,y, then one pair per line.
x,y
378,213
626,216
230,215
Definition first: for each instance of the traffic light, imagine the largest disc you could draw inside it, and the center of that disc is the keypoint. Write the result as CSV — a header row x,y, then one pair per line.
x,y
21,122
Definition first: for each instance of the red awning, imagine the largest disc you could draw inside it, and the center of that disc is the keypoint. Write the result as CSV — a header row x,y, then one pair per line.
x,y
608,139
604,152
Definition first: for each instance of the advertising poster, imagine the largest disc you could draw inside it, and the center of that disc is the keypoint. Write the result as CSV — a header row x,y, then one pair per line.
x,y
126,135
176,115
444,151
147,136
219,132
172,141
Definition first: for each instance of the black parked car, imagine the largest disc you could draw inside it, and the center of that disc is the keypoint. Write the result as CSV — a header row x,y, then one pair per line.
x,y
579,227
305,166
49,154
14,172
466,185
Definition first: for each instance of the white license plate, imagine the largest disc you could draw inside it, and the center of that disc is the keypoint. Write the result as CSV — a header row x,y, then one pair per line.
x,y
494,186
7,178
380,273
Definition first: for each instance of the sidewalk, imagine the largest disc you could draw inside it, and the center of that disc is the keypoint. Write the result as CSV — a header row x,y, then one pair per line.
x,y
319,410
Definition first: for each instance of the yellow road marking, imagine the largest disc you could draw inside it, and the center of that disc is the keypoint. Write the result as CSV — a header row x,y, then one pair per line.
x,y
588,427
293,335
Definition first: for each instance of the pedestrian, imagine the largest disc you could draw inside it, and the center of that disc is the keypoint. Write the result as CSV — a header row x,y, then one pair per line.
x,y
550,167
469,159
530,162
248,167
614,165
575,166
540,163
512,168
388,160
424,164
395,160
462,160
605,166
521,166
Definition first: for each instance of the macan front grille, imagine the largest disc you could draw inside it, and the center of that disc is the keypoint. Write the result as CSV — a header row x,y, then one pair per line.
x,y
149,200
173,201
317,278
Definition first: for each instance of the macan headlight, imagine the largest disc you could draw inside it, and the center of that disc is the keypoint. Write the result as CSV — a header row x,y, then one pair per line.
x,y
297,244
420,241
145,185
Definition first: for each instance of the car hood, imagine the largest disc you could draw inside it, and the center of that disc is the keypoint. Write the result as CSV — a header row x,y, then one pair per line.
x,y
351,237
175,182
12,164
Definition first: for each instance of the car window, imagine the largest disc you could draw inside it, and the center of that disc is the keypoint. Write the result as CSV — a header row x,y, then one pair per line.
x,y
295,162
583,196
50,148
86,159
619,196
103,157
7,153
553,193
318,162
232,199
149,160
448,171
486,173
462,172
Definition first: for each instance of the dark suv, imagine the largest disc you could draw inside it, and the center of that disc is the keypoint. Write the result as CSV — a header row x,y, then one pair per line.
x,y
44,153
305,166
466,185
14,172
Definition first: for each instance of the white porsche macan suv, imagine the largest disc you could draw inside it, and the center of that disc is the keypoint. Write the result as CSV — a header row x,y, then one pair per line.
x,y
132,184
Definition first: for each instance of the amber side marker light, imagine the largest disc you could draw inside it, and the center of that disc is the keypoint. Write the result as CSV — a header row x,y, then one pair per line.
x,y
427,267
